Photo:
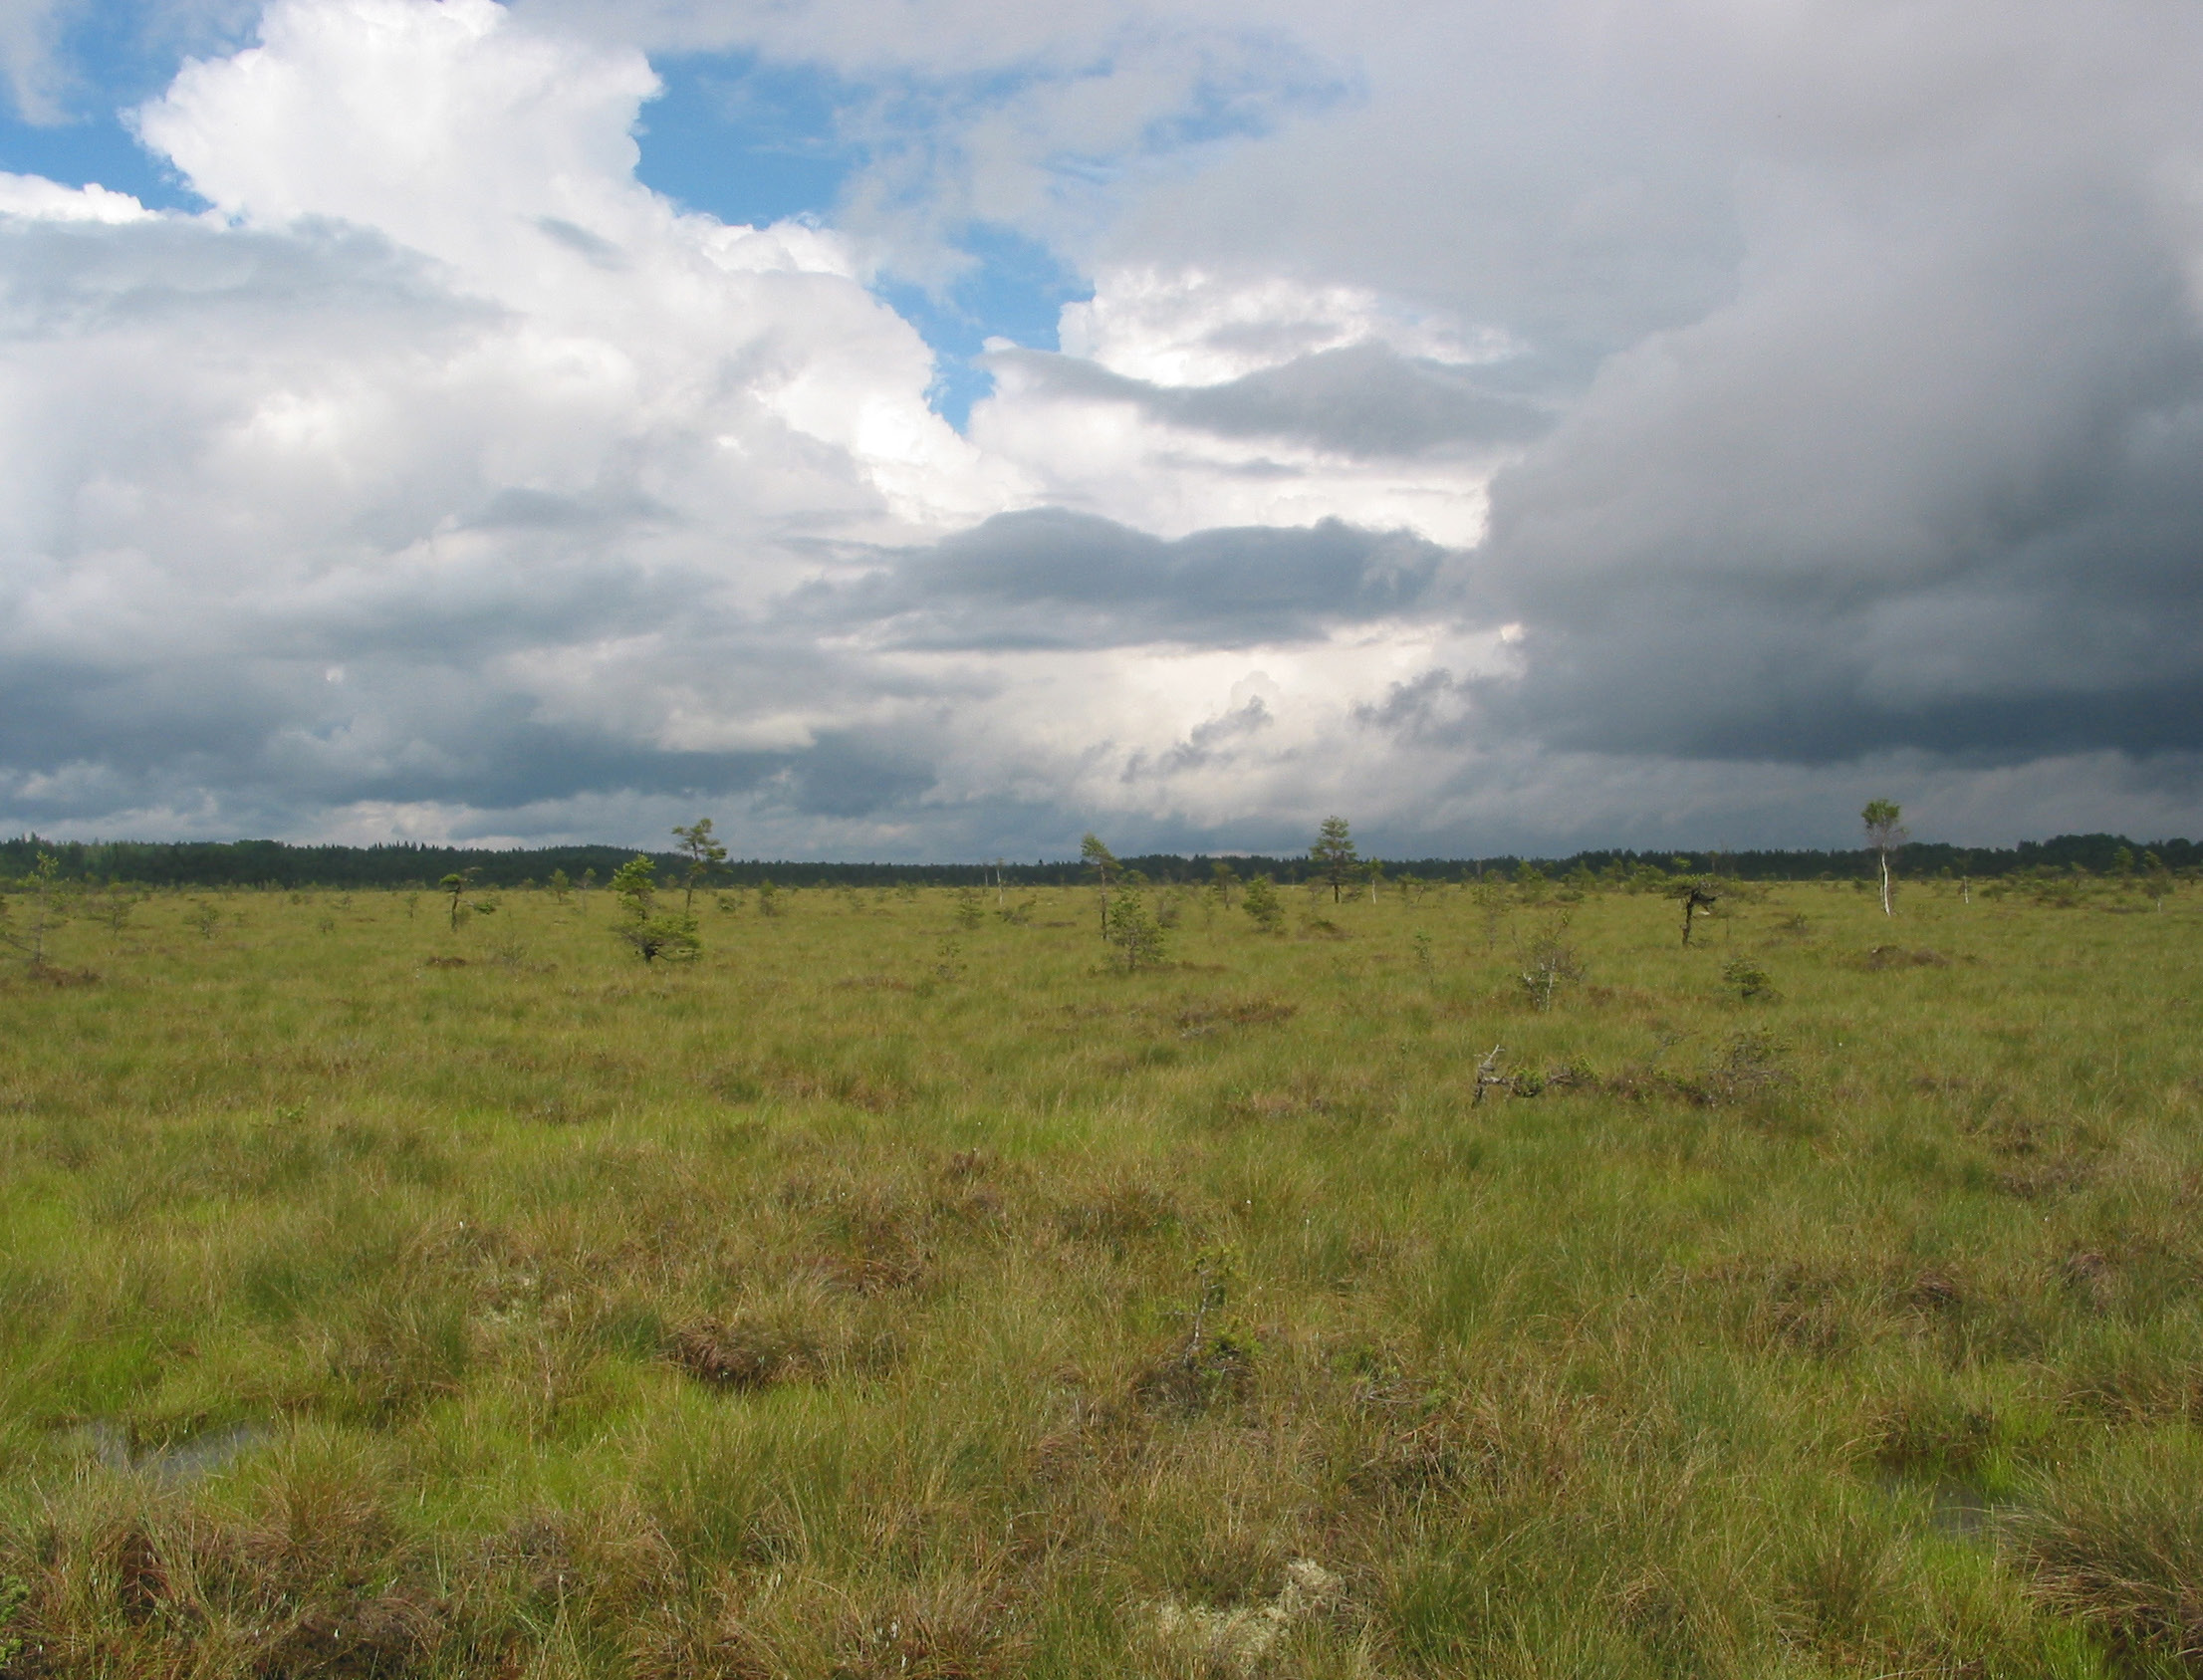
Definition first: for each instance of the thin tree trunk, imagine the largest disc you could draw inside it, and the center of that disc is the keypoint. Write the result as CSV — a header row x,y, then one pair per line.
x,y
1886,909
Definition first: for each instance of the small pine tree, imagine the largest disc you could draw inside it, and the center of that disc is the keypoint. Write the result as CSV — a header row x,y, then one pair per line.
x,y
1222,881
1260,902
1333,856
113,904
1489,895
2157,878
1134,933
641,926
51,903
704,855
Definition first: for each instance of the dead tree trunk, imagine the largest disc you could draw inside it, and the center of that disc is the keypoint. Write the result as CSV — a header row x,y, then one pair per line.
x,y
1696,899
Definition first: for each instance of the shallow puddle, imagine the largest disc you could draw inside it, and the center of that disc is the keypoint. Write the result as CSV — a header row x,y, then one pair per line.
x,y
204,1454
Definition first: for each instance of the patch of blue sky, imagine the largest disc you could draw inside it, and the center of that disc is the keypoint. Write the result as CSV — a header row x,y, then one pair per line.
x,y
109,60
745,141
1016,289
756,143
93,148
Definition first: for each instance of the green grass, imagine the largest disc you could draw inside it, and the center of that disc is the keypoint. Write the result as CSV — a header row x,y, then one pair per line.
x,y
882,1295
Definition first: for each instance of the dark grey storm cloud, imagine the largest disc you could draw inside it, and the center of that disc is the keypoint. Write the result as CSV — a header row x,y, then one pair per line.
x,y
1933,485
1050,577
407,732
849,773
1365,400
393,693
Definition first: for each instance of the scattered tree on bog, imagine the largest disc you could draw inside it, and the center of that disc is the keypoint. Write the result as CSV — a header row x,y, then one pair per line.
x,y
1333,856
704,855
1103,861
49,902
1698,896
641,926
1223,879
1136,934
458,886
455,883
1260,901
1885,832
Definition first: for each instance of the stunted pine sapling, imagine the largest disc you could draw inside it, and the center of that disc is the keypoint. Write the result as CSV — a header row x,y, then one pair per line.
x,y
1490,896
48,907
2156,880
948,961
1551,962
1134,933
1262,905
113,904
1750,980
641,926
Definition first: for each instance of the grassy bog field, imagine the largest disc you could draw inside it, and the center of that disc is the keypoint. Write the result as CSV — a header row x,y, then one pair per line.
x,y
906,1290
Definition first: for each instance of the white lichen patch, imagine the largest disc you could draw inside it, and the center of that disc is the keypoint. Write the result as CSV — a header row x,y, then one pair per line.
x,y
1239,1640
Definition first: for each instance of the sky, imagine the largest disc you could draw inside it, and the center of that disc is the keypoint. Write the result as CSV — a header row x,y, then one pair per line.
x,y
930,430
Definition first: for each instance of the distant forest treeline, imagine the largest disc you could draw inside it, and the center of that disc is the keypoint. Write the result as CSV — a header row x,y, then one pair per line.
x,y
254,863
